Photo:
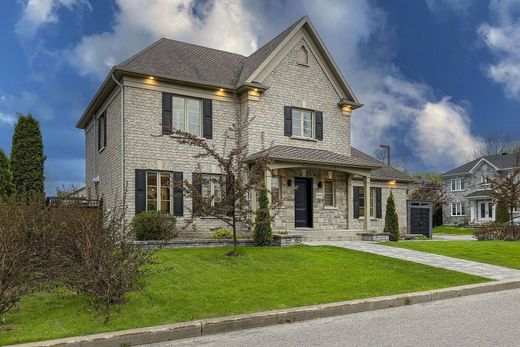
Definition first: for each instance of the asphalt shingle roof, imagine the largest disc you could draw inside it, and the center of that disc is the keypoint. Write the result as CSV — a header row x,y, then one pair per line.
x,y
318,156
501,161
478,193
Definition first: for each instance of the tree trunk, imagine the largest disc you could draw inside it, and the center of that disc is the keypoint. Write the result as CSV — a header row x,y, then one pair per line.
x,y
511,220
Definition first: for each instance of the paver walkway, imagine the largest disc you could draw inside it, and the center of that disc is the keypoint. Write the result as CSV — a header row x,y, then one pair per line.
x,y
441,261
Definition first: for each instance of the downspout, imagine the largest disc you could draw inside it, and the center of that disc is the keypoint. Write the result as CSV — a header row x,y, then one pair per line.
x,y
122,107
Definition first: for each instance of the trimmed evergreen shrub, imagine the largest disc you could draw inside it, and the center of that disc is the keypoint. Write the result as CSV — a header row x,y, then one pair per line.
x,y
502,213
6,177
263,233
154,225
27,156
391,220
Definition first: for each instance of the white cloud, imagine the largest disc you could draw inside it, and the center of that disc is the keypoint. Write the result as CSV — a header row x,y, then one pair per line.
x,y
225,25
460,7
7,119
37,13
25,102
503,40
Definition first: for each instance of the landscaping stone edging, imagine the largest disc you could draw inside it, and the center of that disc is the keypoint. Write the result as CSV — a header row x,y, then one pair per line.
x,y
191,243
196,328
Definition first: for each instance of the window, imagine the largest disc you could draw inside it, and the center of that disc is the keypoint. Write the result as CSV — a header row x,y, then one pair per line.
x,y
329,193
102,131
458,209
187,114
457,184
484,179
158,191
490,210
276,191
211,188
374,203
302,123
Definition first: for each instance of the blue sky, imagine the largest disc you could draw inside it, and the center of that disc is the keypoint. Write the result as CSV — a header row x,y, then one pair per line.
x,y
435,75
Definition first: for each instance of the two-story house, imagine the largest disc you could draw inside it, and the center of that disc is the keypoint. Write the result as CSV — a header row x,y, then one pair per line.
x,y
468,189
301,105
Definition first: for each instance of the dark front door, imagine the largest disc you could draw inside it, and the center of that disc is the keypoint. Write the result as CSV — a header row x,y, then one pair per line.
x,y
303,202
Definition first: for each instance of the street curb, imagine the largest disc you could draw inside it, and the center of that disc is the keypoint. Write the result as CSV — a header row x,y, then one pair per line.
x,y
177,331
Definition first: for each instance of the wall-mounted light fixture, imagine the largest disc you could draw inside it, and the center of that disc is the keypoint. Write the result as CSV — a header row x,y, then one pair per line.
x,y
289,182
320,184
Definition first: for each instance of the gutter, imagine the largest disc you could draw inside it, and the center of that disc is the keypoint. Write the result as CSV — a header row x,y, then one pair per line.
x,y
122,107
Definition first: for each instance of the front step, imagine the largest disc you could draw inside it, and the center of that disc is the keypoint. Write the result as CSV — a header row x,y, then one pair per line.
x,y
309,235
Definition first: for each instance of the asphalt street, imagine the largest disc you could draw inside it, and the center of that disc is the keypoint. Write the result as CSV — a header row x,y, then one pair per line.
x,y
479,320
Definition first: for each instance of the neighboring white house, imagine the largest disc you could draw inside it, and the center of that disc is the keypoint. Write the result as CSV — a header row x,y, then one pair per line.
x,y
301,105
468,189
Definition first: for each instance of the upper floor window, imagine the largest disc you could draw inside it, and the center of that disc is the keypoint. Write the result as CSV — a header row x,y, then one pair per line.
x,y
302,123
457,184
102,131
187,114
484,179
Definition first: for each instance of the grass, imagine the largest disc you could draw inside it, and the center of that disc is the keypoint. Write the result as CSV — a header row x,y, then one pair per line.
x,y
501,253
190,284
453,230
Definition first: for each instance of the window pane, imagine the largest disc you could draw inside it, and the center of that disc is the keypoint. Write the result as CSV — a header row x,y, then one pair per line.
x,y
217,191
151,179
361,195
178,113
329,193
275,188
151,205
307,124
296,123
206,187
194,116
453,210
165,206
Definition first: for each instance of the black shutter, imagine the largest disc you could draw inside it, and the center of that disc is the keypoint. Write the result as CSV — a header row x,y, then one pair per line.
x,y
140,191
196,180
178,196
319,125
379,207
207,118
105,129
287,121
167,113
356,201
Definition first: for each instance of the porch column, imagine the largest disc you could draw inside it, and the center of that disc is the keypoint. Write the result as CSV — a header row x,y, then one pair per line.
x,y
268,176
366,186
350,202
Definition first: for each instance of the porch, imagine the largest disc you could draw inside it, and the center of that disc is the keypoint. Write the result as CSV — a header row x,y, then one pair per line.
x,y
482,208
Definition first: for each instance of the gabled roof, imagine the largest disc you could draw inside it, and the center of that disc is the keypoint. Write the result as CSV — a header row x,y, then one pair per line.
x,y
499,161
182,62
386,172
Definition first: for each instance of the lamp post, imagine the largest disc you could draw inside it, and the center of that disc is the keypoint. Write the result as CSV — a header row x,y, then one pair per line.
x,y
387,147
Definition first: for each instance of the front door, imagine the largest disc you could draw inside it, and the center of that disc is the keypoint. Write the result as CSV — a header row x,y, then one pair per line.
x,y
303,202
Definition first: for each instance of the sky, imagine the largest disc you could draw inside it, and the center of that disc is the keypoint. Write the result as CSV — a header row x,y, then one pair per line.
x,y
435,76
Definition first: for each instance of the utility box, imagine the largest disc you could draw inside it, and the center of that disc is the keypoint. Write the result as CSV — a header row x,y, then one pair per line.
x,y
420,217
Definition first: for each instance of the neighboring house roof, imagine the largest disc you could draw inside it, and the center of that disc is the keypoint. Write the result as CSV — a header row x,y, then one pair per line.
x,y
479,194
318,156
499,161
187,63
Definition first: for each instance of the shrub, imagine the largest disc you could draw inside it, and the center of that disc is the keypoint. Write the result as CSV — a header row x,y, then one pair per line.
x,y
263,232
92,255
21,261
6,176
154,225
222,233
496,231
502,212
391,220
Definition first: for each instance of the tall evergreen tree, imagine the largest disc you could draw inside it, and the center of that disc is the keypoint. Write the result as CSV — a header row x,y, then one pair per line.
x,y
391,220
6,177
263,232
27,157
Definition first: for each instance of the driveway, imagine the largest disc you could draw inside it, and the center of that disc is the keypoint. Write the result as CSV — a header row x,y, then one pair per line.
x,y
477,320
441,261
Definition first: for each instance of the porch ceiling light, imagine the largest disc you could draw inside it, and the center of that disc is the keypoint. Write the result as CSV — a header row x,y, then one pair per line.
x,y
151,77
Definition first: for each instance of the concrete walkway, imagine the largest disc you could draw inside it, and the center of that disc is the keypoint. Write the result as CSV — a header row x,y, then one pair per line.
x,y
441,261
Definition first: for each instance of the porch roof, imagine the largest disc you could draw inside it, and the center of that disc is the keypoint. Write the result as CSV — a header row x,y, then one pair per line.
x,y
479,194
317,156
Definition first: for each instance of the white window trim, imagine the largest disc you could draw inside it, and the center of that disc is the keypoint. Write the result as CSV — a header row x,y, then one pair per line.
x,y
186,119
333,193
313,127
460,180
458,209
158,192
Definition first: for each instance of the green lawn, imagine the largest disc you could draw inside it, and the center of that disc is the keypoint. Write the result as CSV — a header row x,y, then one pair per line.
x,y
502,253
190,284
453,230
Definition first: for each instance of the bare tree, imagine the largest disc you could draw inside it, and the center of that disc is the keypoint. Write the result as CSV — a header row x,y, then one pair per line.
x,y
496,142
506,189
239,177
